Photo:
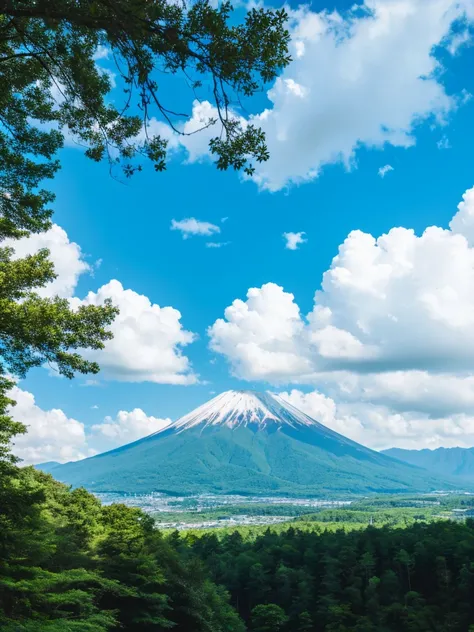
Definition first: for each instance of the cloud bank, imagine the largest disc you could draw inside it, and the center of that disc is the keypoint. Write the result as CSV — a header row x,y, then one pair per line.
x,y
390,336
53,436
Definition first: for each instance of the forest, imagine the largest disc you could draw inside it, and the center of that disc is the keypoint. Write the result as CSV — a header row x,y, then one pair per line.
x,y
415,579
68,563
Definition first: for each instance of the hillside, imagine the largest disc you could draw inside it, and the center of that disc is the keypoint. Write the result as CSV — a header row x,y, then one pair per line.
x,y
48,466
246,443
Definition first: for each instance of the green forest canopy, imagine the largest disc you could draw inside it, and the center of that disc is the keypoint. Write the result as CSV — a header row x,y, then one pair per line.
x,y
67,563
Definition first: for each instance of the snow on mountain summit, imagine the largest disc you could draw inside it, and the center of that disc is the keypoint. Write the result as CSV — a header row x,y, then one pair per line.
x,y
236,408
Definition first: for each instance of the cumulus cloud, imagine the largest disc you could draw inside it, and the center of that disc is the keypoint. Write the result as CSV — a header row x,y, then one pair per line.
x,y
379,427
192,226
293,240
51,436
258,335
396,302
390,335
379,80
66,256
125,428
148,339
433,394
384,170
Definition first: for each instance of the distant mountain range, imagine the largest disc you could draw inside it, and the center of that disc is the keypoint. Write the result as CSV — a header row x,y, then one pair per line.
x,y
445,462
243,442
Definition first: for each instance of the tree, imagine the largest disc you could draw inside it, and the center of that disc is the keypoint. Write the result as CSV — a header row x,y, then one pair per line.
x,y
404,560
50,84
268,618
305,623
35,331
76,566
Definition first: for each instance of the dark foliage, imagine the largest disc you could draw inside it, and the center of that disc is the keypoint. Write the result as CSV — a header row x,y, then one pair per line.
x,y
417,579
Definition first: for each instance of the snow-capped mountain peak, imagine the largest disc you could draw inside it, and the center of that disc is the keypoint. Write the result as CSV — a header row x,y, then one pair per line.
x,y
236,408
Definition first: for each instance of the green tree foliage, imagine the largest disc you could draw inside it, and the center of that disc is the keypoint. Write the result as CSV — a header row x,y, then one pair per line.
x,y
33,331
69,564
50,84
268,618
416,579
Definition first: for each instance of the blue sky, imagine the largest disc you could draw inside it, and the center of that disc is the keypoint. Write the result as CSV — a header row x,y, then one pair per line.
x,y
127,227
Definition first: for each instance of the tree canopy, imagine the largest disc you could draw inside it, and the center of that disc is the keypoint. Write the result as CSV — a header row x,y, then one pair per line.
x,y
68,564
51,85
386,579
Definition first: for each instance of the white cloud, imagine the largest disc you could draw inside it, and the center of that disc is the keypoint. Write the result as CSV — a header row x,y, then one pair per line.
x,y
384,170
293,240
217,244
125,428
463,222
51,436
148,339
102,52
379,427
258,336
379,80
433,394
192,226
390,336
66,256
397,302
443,143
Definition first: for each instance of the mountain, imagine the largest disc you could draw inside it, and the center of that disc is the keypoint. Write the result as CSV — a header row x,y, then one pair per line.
x,y
449,462
243,442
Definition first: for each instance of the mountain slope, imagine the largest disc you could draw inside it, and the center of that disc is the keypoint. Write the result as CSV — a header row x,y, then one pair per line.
x,y
47,467
447,462
248,443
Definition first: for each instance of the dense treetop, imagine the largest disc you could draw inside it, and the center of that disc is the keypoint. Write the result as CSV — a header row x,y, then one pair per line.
x,y
69,564
417,579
